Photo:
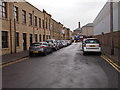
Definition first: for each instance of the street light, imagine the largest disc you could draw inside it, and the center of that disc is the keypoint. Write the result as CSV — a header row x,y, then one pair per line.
x,y
14,26
33,27
111,27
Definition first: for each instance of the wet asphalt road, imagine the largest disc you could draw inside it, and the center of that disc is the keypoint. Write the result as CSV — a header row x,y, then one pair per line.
x,y
65,68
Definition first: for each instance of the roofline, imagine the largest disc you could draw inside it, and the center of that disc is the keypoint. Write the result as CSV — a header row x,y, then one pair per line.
x,y
33,6
100,11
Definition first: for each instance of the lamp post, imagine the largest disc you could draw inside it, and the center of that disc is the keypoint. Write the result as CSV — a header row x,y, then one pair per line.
x,y
33,27
14,27
111,27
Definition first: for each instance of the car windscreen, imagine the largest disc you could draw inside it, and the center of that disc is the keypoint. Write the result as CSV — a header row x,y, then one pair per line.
x,y
91,41
36,44
49,41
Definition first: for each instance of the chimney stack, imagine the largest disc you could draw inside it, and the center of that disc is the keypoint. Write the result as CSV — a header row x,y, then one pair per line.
x,y
78,24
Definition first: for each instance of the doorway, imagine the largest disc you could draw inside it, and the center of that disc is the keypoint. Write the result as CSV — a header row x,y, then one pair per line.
x,y
24,41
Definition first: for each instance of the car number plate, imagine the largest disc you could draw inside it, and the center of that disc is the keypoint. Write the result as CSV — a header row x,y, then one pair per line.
x,y
92,46
35,51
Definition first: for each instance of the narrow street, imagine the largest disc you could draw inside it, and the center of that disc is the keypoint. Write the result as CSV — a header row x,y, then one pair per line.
x,y
65,68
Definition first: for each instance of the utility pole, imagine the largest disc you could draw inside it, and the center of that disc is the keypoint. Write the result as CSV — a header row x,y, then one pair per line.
x,y
111,27
10,36
14,28
44,26
33,27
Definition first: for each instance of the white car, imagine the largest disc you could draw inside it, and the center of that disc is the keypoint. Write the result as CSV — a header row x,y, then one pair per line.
x,y
91,45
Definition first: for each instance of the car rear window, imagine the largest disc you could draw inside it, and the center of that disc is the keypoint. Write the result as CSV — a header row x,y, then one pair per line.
x,y
49,41
91,41
36,44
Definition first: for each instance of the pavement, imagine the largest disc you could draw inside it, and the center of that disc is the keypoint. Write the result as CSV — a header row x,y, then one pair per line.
x,y
15,56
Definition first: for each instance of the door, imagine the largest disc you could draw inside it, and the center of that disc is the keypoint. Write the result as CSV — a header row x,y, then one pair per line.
x,y
30,39
24,41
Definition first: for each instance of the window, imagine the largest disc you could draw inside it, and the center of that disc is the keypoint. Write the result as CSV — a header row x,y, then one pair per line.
x,y
16,13
35,20
43,25
35,37
17,39
49,24
92,41
39,22
3,9
23,17
46,36
40,38
30,19
46,25
30,39
43,37
4,39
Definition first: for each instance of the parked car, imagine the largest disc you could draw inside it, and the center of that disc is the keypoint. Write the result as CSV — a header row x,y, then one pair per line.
x,y
68,42
91,45
53,43
83,42
40,48
60,45
64,43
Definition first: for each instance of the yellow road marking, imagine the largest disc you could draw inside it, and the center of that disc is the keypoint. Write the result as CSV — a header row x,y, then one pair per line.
x,y
110,62
8,64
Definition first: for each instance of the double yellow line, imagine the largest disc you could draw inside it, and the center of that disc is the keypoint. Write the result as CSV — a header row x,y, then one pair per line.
x,y
114,65
13,62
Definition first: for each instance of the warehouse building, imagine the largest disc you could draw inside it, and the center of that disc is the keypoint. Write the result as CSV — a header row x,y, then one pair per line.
x,y
107,29
23,24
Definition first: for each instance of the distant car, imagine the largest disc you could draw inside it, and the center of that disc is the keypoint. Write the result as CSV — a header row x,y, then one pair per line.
x,y
68,42
60,45
40,48
64,43
54,44
91,45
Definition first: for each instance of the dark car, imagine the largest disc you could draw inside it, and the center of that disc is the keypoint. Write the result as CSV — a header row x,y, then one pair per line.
x,y
40,48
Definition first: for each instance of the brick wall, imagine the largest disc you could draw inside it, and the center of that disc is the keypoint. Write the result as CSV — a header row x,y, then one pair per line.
x,y
107,44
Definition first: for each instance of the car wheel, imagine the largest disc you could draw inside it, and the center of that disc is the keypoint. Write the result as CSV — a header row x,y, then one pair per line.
x,y
30,54
84,53
99,53
56,49
45,53
51,50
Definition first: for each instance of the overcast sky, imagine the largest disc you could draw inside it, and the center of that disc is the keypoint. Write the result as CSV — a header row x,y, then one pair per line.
x,y
70,12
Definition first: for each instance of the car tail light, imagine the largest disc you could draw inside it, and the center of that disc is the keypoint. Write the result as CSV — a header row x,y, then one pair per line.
x,y
30,47
99,45
42,46
84,45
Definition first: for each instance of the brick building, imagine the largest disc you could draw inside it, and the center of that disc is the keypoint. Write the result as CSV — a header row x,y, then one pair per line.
x,y
22,24
87,30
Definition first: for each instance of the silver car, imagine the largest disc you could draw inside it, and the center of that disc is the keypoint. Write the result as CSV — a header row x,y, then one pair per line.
x,y
40,48
91,45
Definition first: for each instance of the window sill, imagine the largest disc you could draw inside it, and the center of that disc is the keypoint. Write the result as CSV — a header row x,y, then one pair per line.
x,y
18,47
30,25
24,24
5,49
5,19
17,22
